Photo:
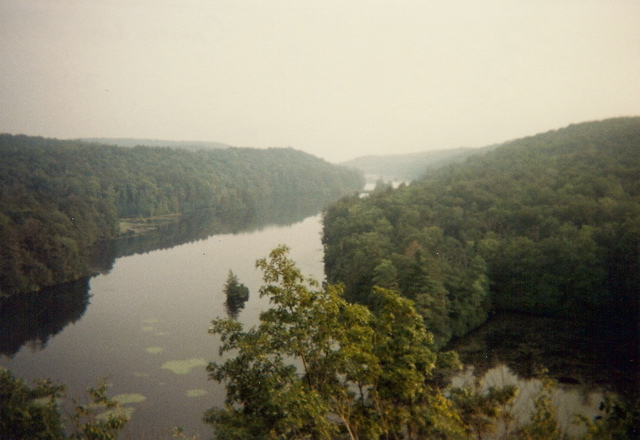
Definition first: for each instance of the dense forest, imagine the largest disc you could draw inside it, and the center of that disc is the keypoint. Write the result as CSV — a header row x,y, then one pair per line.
x,y
58,198
548,224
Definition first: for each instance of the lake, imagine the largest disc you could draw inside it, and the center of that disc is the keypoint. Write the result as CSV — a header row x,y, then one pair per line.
x,y
153,310
143,321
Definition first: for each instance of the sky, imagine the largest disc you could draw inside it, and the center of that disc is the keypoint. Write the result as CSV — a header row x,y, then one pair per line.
x,y
337,79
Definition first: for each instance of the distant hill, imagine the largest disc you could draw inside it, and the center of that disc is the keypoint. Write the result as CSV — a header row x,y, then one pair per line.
x,y
410,166
58,198
133,142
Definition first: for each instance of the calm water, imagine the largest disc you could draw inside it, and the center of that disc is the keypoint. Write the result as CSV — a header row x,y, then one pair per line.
x,y
150,311
155,308
586,361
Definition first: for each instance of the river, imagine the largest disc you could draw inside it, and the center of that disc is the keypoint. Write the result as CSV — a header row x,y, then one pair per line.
x,y
143,322
146,321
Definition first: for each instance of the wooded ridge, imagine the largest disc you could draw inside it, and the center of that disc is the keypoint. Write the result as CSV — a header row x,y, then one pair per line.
x,y
548,224
58,198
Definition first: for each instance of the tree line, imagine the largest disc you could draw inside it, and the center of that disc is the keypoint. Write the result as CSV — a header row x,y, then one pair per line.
x,y
548,224
58,198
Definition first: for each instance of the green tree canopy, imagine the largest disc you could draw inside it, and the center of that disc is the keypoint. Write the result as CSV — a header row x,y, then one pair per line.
x,y
318,367
545,224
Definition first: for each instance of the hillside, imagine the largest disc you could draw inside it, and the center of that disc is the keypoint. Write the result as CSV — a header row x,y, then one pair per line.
x,y
58,198
548,224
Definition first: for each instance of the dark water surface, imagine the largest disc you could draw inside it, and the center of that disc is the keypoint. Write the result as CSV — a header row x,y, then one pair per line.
x,y
586,361
144,324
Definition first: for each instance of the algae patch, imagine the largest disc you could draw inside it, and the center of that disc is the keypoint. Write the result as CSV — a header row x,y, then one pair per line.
x,y
154,350
184,366
126,411
196,393
123,399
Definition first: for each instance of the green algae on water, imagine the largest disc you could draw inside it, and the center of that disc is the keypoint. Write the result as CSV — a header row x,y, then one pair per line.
x,y
126,411
196,393
154,350
123,399
184,366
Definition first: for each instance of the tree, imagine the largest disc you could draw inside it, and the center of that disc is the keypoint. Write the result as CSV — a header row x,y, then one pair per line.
x,y
430,298
386,275
314,329
237,294
27,412
33,413
409,405
318,367
482,410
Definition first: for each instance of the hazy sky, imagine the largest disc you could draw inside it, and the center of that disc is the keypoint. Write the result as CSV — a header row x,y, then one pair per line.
x,y
338,79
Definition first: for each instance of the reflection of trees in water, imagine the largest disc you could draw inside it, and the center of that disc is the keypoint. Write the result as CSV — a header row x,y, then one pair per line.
x,y
233,307
33,318
572,352
568,400
199,225
237,295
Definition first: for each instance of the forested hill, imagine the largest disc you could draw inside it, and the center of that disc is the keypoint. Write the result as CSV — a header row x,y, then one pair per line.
x,y
546,224
58,198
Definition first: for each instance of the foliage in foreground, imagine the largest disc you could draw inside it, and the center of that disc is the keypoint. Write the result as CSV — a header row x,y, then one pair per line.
x,y
318,367
363,375
34,413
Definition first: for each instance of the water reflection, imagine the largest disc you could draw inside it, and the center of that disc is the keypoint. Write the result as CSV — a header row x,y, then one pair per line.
x,y
33,318
199,225
568,400
234,306
237,295
583,354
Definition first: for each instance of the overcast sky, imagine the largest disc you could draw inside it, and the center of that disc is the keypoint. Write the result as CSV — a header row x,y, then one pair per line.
x,y
337,79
